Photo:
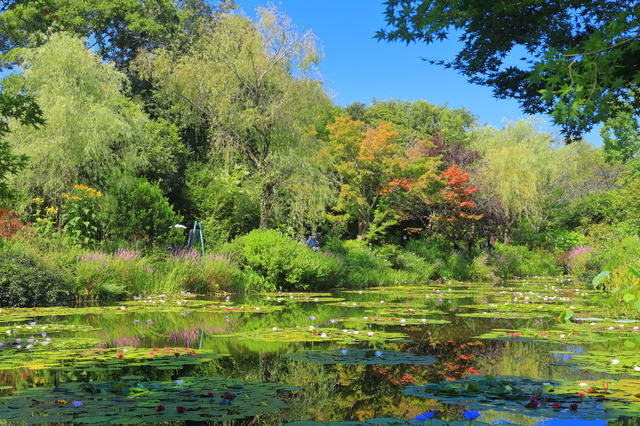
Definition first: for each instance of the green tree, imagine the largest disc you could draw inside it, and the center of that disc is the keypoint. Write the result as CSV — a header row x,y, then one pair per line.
x,y
516,164
25,110
119,28
577,58
92,128
252,85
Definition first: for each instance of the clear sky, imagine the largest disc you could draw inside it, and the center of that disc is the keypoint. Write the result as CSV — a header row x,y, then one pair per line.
x,y
358,68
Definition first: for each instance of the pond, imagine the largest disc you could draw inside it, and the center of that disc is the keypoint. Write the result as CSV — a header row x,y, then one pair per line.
x,y
529,352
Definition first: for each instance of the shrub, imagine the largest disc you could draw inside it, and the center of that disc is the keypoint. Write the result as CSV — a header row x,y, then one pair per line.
x,y
207,274
133,206
281,262
518,261
27,281
480,270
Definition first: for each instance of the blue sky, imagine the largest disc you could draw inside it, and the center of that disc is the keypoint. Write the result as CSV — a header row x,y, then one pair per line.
x,y
356,67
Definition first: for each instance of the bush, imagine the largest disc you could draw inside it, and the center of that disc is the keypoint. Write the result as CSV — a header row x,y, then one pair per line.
x,y
27,281
207,274
518,261
282,263
480,270
133,206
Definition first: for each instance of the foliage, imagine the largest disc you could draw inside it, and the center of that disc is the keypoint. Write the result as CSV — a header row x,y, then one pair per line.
x,y
515,166
455,217
479,269
134,206
24,109
252,86
26,281
576,58
120,28
281,262
518,261
620,279
93,129
375,175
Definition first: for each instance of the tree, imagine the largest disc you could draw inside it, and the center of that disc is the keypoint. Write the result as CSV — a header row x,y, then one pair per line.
x,y
376,175
26,111
118,28
578,58
515,166
92,128
456,218
253,87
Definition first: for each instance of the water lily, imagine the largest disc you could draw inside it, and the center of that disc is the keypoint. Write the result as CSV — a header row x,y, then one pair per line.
x,y
179,382
180,409
471,415
160,408
428,415
344,351
77,404
615,361
378,354
573,407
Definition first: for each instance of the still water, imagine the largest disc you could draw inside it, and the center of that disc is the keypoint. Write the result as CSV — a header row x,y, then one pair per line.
x,y
526,352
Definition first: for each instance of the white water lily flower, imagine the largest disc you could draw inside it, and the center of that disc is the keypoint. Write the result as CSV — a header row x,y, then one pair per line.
x,y
636,328
584,385
370,333
562,336
356,332
615,361
275,328
635,367
593,323
323,335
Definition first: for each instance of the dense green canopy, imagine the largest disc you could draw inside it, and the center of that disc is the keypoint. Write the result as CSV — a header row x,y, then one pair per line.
x,y
574,59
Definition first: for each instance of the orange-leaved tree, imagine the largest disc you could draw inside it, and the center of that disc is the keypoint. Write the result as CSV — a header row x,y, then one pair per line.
x,y
375,174
456,217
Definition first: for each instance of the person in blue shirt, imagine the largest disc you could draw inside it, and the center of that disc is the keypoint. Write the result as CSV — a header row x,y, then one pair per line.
x,y
312,242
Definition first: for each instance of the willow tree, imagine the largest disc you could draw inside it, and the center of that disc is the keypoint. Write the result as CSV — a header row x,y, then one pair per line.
x,y
92,129
253,85
516,166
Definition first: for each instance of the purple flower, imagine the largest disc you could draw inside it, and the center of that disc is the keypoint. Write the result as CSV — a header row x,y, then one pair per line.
x,y
77,404
312,317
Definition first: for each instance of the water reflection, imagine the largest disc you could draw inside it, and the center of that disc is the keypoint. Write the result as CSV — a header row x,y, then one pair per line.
x,y
334,392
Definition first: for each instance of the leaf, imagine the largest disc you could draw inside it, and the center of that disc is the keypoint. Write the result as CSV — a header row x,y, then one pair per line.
x,y
598,279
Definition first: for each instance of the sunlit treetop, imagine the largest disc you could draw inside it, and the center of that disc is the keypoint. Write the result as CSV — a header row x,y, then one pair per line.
x,y
576,60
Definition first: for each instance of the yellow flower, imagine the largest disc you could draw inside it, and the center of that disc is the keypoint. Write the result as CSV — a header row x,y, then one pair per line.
x,y
51,209
38,200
